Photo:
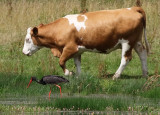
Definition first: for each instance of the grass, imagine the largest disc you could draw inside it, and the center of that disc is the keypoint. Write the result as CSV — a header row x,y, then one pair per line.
x,y
16,86
103,103
91,103
97,69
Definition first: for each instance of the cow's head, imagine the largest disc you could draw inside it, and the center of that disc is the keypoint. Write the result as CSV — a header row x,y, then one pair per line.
x,y
29,46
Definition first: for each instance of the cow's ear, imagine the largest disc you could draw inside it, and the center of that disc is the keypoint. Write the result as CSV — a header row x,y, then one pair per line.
x,y
41,25
35,31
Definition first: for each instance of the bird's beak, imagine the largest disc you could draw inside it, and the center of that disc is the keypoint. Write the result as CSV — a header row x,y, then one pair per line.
x,y
29,83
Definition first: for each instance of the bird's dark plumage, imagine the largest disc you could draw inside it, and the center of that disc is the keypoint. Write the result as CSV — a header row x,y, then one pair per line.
x,y
50,79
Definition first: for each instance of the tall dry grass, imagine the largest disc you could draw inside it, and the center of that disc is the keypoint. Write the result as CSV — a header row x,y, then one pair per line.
x,y
17,16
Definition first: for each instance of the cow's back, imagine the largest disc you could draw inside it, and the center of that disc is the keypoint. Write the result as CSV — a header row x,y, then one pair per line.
x,y
102,29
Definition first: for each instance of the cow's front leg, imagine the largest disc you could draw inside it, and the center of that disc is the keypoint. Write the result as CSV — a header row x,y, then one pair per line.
x,y
77,61
67,53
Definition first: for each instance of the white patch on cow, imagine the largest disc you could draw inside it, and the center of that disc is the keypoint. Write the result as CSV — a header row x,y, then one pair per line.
x,y
66,72
129,8
73,20
82,49
29,47
125,46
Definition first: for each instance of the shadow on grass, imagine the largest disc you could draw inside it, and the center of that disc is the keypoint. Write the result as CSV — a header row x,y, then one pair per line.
x,y
124,76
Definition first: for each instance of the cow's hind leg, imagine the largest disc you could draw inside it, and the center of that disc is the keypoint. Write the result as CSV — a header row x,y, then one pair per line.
x,y
142,53
126,57
77,61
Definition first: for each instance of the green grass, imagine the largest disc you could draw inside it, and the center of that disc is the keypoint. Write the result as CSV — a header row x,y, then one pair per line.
x,y
100,103
103,103
90,103
84,85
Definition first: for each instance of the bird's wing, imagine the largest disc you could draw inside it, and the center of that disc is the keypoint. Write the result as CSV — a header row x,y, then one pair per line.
x,y
52,79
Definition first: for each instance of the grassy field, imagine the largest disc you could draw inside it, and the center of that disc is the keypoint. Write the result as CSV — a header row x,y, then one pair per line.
x,y
97,69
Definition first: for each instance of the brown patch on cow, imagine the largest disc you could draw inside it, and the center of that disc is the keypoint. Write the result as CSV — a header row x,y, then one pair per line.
x,y
128,55
104,28
80,18
99,33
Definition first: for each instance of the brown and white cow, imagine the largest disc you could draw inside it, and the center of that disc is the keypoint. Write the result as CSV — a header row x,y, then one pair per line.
x,y
100,31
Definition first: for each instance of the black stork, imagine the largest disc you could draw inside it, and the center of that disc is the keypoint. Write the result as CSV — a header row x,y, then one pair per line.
x,y
50,79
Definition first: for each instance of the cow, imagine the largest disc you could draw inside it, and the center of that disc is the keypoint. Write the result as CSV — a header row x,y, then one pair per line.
x,y
100,31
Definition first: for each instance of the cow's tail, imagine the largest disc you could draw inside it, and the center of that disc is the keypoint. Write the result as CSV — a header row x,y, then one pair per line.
x,y
140,10
146,42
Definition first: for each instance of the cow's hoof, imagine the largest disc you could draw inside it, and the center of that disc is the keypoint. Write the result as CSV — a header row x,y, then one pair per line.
x,y
116,76
145,74
67,72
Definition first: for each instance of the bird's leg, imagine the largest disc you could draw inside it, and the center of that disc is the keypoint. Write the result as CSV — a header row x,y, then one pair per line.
x,y
50,92
59,89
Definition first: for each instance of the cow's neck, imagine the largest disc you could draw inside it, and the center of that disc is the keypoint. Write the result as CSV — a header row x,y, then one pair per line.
x,y
46,36
46,31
